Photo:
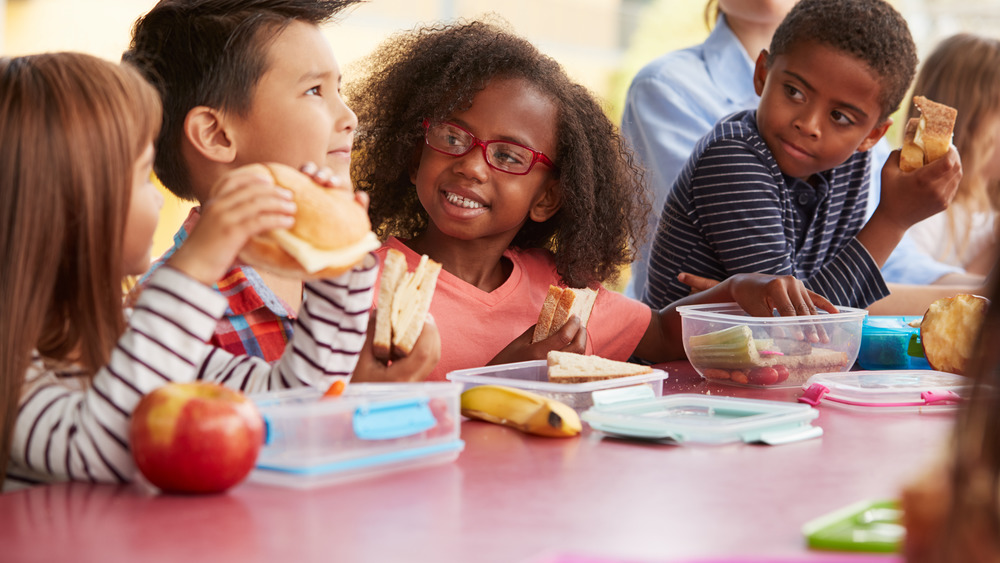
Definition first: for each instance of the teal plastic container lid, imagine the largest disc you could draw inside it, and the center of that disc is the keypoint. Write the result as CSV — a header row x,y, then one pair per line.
x,y
703,419
866,526
887,391
891,343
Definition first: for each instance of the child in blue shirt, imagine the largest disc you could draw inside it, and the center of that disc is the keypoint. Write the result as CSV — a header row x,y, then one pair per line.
x,y
782,189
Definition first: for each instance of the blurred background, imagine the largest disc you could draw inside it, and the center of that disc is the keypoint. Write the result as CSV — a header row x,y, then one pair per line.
x,y
601,43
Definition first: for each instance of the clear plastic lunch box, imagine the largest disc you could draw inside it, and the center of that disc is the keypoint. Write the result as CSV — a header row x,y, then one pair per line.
x,y
727,345
533,376
891,343
372,429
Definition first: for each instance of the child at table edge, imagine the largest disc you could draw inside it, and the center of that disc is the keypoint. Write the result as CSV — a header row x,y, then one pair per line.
x,y
951,508
566,216
73,365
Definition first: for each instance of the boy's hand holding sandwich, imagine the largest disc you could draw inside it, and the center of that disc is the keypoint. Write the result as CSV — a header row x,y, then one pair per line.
x,y
908,198
918,181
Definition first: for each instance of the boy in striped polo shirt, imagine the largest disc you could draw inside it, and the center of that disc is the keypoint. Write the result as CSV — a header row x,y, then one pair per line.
x,y
782,189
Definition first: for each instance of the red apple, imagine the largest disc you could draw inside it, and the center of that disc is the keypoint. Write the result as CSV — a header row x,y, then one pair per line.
x,y
195,437
949,331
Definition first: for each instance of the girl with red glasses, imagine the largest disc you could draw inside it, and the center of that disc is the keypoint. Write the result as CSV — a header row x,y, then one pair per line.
x,y
480,152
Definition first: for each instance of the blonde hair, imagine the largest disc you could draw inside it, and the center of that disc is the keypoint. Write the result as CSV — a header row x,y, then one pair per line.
x,y
72,127
963,72
712,12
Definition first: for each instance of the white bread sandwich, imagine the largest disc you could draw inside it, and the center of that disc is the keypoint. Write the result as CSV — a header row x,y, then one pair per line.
x,y
929,137
560,304
404,298
566,367
331,234
911,156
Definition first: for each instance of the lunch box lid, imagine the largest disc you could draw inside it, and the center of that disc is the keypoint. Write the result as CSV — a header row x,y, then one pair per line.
x,y
698,418
872,526
887,390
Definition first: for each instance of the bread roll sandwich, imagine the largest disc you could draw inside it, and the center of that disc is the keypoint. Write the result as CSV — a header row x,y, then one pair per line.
x,y
560,304
928,137
566,367
403,301
331,234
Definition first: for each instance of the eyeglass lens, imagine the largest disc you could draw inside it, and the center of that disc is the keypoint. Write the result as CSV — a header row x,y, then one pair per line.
x,y
505,156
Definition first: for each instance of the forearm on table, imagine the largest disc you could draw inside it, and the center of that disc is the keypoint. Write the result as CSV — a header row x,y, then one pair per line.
x,y
913,299
662,341
963,281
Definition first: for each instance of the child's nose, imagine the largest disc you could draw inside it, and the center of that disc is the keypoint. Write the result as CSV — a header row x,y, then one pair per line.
x,y
344,117
807,123
473,164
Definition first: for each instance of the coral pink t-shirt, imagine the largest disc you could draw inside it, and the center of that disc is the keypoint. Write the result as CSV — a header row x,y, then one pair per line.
x,y
476,325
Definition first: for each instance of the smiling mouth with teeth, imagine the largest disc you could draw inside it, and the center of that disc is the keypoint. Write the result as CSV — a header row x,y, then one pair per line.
x,y
460,201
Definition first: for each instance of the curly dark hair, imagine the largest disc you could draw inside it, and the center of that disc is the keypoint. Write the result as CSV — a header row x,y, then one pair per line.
x,y
436,71
871,30
209,53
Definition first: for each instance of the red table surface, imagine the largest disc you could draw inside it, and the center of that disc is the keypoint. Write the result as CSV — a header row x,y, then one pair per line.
x,y
509,497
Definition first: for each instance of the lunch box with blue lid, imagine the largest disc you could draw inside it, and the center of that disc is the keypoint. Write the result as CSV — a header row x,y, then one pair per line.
x,y
371,429
891,343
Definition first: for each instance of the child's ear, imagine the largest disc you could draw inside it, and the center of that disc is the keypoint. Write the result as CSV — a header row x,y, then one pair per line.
x,y
548,203
415,164
760,72
205,129
874,135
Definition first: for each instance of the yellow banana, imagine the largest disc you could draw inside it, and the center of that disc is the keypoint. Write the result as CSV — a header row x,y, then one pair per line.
x,y
520,409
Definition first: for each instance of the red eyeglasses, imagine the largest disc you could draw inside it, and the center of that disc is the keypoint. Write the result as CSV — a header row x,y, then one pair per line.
x,y
505,156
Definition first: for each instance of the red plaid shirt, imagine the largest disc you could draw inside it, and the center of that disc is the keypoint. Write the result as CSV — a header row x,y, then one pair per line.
x,y
257,322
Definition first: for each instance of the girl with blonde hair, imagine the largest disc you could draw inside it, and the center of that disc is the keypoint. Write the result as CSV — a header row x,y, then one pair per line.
x,y
964,73
78,211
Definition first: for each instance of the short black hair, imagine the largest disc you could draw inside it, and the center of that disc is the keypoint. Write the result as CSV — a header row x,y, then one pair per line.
x,y
433,72
209,53
871,30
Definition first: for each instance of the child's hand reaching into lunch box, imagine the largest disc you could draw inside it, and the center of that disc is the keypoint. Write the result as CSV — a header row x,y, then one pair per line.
x,y
762,294
572,337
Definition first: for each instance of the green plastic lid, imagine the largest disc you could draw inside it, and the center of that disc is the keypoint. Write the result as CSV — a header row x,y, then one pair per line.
x,y
870,526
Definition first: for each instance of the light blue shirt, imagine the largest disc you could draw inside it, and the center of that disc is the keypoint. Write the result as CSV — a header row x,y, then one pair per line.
x,y
678,98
